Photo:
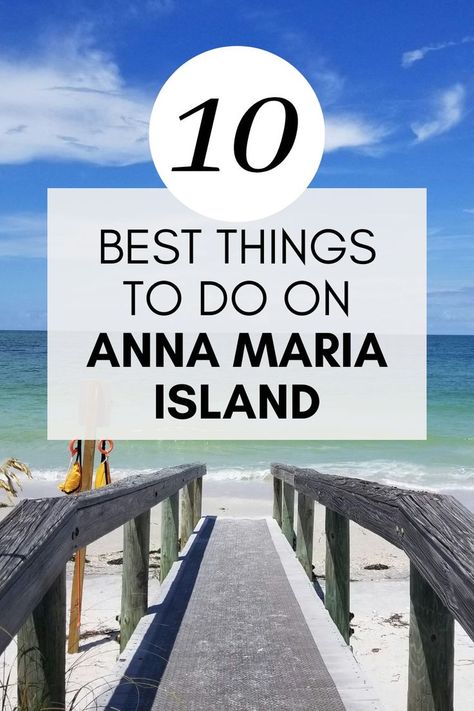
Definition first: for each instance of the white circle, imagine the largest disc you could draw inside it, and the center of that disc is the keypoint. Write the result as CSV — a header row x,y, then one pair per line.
x,y
238,77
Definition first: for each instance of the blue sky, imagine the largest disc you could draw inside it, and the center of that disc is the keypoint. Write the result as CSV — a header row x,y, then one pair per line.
x,y
395,80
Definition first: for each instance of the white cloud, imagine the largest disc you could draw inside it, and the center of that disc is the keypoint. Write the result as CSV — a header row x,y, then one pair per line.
x,y
449,110
469,210
73,106
328,83
352,132
416,55
23,235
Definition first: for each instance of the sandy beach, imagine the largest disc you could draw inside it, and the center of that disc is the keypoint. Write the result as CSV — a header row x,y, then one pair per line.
x,y
379,600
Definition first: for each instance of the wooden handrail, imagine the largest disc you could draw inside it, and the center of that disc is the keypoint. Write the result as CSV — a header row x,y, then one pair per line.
x,y
284,472
437,534
40,535
435,531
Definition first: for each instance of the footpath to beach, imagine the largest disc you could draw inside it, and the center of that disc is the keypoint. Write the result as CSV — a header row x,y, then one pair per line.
x,y
237,622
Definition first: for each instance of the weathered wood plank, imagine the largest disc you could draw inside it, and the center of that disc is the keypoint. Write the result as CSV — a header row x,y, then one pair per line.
x,y
187,512
337,592
371,505
136,556
197,499
431,655
35,544
169,534
304,533
41,655
40,535
435,531
277,499
288,513
437,534
112,506
284,472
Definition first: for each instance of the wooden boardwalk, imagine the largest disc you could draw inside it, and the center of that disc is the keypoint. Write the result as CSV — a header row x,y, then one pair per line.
x,y
240,627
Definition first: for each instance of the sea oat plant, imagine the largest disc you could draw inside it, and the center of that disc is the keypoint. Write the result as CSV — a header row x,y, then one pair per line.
x,y
9,479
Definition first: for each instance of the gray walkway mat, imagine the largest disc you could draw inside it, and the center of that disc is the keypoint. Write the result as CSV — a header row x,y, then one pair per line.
x,y
230,636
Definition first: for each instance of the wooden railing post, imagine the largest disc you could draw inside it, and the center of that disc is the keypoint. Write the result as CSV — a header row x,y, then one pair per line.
x,y
197,499
431,649
169,534
304,533
288,512
88,453
136,553
277,493
337,594
187,512
41,655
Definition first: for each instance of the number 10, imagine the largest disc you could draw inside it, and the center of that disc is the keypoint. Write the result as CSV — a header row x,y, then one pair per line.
x,y
242,134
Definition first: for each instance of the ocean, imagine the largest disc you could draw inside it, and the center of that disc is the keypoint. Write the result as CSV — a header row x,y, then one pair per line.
x,y
444,461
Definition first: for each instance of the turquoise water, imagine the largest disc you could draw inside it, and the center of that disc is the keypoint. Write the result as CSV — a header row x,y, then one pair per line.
x,y
445,460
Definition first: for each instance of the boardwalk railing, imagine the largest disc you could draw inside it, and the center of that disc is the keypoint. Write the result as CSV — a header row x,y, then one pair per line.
x,y
41,535
437,534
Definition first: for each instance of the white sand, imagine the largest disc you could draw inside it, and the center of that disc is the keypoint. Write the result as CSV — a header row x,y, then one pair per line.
x,y
380,644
